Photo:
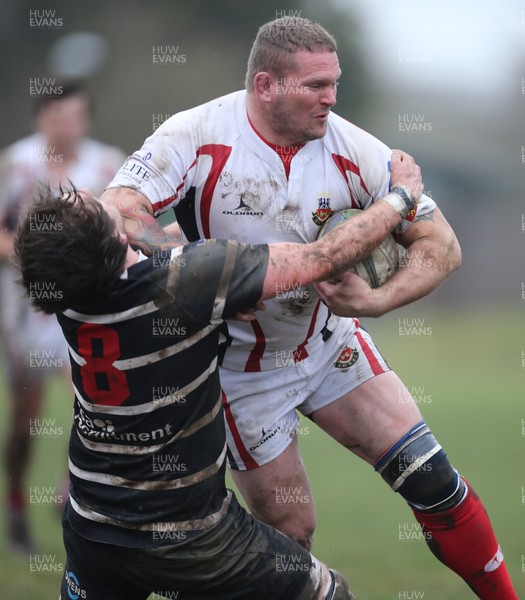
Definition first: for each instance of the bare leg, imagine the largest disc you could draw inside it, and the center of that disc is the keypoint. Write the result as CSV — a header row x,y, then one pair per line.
x,y
279,494
370,418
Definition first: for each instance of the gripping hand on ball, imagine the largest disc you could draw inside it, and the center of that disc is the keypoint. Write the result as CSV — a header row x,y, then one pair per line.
x,y
351,296
407,184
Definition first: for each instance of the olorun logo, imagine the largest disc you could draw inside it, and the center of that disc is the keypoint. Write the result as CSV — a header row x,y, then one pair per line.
x,y
266,435
243,210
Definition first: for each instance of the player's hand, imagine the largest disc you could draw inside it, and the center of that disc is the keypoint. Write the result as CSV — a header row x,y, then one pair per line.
x,y
351,296
405,171
249,314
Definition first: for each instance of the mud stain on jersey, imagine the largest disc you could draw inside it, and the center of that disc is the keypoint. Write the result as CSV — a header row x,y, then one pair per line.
x,y
295,307
295,300
249,196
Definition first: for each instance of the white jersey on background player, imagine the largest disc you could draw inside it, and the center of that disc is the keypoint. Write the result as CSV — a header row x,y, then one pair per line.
x,y
24,166
59,152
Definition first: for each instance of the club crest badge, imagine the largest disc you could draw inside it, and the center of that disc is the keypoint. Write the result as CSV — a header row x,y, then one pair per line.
x,y
347,358
324,210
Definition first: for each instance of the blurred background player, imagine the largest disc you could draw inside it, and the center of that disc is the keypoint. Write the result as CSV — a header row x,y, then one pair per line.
x,y
58,151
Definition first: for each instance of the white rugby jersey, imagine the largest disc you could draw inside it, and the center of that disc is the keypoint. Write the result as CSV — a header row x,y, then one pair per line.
x,y
224,181
24,166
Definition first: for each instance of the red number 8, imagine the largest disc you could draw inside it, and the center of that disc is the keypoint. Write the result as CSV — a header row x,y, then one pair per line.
x,y
117,386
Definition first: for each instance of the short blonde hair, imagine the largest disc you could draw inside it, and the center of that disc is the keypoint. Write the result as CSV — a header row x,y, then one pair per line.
x,y
277,40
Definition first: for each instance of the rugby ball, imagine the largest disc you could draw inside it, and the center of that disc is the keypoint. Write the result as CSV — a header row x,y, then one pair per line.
x,y
377,268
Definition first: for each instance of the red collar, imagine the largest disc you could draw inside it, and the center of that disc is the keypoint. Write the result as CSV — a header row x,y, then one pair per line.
x,y
285,153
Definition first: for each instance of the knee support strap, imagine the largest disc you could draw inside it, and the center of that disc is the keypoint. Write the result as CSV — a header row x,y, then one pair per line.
x,y
418,468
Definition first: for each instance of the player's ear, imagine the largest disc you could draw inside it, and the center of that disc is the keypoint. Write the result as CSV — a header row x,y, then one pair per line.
x,y
263,84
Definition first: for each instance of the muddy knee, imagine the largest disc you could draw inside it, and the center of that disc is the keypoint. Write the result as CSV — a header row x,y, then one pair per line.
x,y
298,525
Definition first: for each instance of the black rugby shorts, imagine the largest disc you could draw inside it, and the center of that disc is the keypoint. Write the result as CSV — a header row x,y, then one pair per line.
x,y
239,558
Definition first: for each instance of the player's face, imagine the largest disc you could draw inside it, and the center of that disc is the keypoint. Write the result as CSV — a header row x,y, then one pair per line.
x,y
303,98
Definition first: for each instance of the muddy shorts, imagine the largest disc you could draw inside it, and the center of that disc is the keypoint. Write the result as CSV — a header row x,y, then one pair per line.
x,y
239,558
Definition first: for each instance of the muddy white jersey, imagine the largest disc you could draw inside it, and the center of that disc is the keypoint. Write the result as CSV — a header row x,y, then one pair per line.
x,y
224,181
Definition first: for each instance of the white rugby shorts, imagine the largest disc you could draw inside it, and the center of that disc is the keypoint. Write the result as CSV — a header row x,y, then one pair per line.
x,y
260,408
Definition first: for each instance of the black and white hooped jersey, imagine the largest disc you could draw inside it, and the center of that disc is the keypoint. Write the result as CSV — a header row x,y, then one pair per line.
x,y
147,449
224,181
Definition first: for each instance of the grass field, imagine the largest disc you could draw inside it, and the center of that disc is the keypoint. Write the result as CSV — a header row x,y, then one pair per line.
x,y
466,371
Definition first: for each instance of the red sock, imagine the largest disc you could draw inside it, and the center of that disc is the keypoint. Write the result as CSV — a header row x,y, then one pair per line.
x,y
16,499
462,538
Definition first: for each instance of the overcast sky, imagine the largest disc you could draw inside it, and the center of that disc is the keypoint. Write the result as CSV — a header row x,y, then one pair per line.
x,y
472,46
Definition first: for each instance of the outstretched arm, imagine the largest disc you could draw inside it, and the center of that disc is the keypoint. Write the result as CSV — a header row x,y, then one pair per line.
x,y
350,242
339,250
292,263
234,277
